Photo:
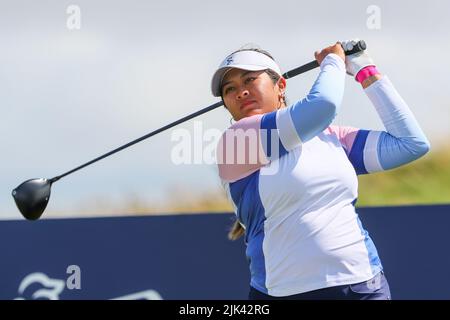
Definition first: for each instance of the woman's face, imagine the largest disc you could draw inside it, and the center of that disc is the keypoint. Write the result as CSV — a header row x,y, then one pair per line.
x,y
247,93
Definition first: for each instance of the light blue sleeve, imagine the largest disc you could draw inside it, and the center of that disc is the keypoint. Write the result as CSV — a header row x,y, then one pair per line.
x,y
308,117
317,110
402,142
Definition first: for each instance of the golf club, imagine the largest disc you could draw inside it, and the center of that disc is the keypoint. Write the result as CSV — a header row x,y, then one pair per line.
x,y
32,196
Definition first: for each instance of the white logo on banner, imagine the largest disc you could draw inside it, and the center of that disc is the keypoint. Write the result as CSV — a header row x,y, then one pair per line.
x,y
54,288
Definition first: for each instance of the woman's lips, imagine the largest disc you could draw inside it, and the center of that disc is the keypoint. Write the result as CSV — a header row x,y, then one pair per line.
x,y
247,103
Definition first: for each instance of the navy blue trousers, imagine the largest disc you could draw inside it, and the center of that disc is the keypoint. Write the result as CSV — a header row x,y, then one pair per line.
x,y
376,288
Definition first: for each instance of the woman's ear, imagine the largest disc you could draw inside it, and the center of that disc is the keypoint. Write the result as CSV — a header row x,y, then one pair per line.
x,y
282,84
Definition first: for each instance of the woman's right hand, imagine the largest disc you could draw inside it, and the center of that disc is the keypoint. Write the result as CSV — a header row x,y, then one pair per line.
x,y
336,49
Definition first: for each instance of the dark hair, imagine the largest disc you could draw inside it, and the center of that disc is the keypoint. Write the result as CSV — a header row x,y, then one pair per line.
x,y
272,74
236,231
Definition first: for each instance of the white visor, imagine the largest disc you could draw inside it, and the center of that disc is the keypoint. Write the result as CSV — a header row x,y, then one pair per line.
x,y
245,60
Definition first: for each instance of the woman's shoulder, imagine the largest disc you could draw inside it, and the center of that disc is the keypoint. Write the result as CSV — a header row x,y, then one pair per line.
x,y
247,122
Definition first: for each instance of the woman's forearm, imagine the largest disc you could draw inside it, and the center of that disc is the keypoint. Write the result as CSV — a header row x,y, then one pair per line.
x,y
367,82
315,113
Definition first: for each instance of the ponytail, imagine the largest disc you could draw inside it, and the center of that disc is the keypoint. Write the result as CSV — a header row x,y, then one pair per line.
x,y
236,231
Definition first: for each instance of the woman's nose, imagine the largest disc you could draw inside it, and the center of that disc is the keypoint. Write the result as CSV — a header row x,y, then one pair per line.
x,y
242,94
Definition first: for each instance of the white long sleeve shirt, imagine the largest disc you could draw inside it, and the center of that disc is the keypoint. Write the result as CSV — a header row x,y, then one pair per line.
x,y
296,196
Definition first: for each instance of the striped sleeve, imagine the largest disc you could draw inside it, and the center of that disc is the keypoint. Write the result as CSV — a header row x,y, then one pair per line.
x,y
402,142
361,147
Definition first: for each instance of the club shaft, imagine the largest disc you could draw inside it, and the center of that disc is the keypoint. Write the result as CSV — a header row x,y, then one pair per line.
x,y
302,69
290,74
359,46
170,125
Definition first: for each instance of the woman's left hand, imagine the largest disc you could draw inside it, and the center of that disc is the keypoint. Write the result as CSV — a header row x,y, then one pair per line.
x,y
357,61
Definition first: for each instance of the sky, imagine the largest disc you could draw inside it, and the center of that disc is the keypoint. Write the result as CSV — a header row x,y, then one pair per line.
x,y
77,84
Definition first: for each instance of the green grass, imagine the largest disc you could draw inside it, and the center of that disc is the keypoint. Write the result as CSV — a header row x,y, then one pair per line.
x,y
425,181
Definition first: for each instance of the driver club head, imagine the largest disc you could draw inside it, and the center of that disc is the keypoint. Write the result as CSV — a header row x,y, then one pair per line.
x,y
32,197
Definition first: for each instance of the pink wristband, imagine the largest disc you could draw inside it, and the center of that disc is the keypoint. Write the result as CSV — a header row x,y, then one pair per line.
x,y
365,73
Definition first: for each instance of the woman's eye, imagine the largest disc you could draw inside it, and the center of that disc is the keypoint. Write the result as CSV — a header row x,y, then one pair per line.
x,y
228,90
249,79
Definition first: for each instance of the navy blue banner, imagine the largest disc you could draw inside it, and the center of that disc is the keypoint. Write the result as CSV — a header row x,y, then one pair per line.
x,y
190,257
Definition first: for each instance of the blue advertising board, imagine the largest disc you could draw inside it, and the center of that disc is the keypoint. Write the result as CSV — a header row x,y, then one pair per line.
x,y
190,257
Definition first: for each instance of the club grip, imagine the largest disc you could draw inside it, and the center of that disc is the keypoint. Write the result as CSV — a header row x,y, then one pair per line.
x,y
354,47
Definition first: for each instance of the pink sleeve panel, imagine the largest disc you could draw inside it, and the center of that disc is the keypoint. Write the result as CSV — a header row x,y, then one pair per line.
x,y
346,136
240,152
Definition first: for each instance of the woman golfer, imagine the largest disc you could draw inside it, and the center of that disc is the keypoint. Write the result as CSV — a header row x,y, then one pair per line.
x,y
292,177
